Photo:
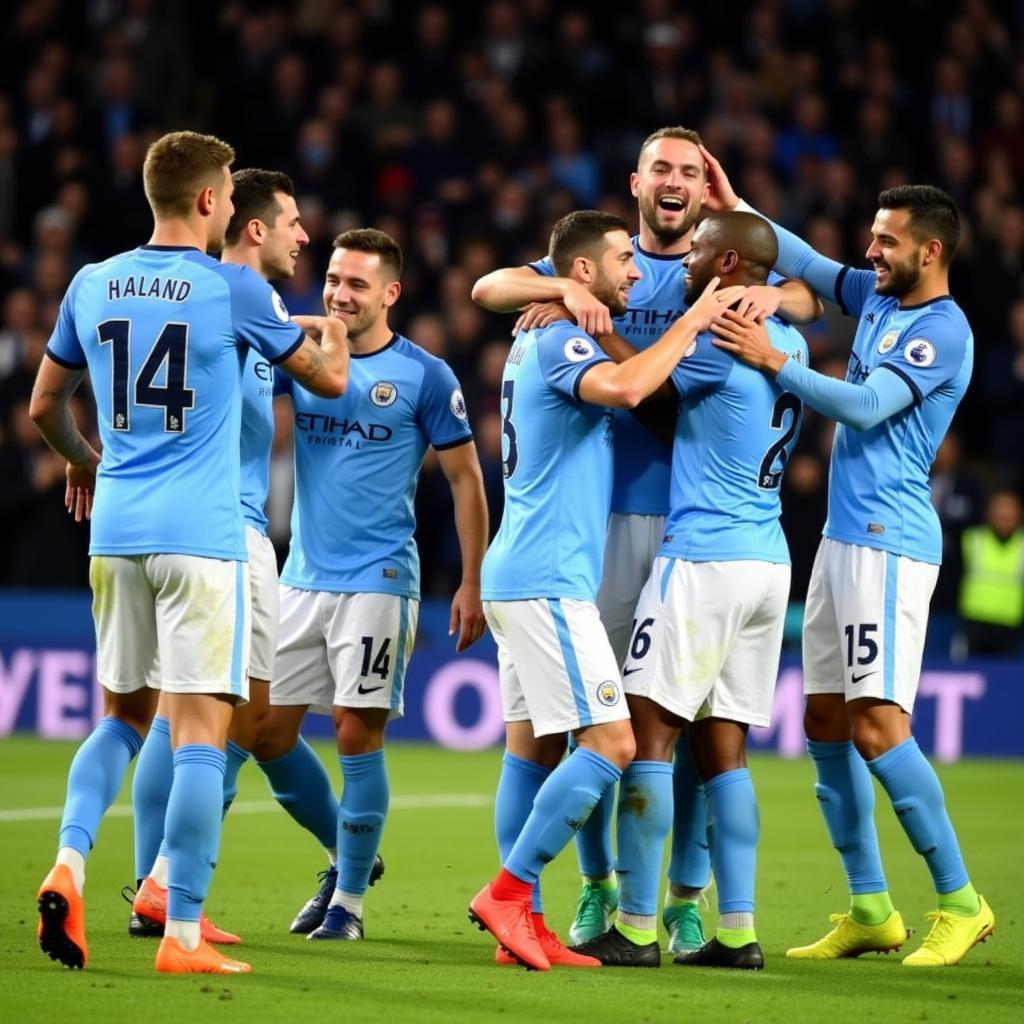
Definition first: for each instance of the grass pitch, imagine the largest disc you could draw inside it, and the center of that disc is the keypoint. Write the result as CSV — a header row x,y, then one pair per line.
x,y
423,961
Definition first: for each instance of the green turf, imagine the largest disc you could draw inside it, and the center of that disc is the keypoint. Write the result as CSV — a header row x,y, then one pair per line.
x,y
423,961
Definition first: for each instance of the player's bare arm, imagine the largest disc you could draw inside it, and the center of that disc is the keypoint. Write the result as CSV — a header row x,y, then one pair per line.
x,y
320,364
626,385
54,386
461,466
512,288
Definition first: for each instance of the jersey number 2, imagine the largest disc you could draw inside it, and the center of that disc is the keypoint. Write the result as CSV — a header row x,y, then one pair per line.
x,y
768,477
170,352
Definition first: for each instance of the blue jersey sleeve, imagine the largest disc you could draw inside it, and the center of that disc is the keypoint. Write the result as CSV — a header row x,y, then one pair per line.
x,y
442,409
282,383
259,316
704,367
853,289
860,406
930,352
543,267
565,354
64,346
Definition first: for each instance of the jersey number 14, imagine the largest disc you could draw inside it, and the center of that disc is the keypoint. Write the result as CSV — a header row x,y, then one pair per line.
x,y
169,353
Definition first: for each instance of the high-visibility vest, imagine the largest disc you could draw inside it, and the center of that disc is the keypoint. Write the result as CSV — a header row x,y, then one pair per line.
x,y
992,587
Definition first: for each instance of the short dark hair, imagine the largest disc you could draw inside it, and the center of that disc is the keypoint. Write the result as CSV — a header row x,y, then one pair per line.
x,y
673,131
373,241
933,214
581,233
254,199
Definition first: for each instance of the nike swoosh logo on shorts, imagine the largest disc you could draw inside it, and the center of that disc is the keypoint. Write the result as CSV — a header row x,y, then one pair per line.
x,y
857,679
369,689
630,671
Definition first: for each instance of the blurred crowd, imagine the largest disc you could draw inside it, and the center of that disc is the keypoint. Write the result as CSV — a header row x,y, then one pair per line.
x,y
465,130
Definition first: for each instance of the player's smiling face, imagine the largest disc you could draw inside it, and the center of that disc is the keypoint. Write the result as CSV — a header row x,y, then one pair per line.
x,y
616,273
670,185
895,253
356,291
700,262
284,238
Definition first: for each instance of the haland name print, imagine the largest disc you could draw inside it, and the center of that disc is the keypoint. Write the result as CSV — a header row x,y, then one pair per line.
x,y
139,286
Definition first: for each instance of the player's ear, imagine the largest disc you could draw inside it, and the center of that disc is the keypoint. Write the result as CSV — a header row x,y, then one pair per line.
x,y
634,184
391,292
932,251
729,261
583,269
255,230
206,200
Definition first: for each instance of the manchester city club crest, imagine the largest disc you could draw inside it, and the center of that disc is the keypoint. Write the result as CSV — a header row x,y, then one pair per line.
x,y
887,342
608,693
383,393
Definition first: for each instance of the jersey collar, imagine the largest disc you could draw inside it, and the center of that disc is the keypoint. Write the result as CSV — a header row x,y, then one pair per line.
x,y
677,256
921,305
376,351
170,248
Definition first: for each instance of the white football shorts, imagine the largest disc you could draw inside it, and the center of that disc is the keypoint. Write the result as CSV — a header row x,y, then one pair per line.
x,y
556,667
264,587
708,637
865,621
178,623
631,545
343,650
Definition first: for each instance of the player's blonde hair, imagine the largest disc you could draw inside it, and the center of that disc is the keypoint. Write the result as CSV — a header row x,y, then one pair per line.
x,y
179,166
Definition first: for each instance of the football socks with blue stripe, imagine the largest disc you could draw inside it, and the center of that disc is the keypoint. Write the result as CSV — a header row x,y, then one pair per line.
x,y
689,865
644,819
301,785
237,756
151,787
846,797
917,799
594,840
94,780
360,821
734,831
193,827
518,786
561,806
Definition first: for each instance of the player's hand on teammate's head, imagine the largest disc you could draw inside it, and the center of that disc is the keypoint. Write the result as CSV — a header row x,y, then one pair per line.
x,y
540,314
81,477
713,301
721,197
759,301
467,616
747,340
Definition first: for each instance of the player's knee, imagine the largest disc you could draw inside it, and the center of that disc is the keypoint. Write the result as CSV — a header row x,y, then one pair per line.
x,y
359,734
869,737
826,721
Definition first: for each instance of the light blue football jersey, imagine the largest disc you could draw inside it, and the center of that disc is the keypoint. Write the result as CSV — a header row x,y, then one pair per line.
x,y
164,331
557,460
734,435
357,460
643,464
257,437
879,494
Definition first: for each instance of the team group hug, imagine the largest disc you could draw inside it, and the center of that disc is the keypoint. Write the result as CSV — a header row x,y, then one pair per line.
x,y
636,588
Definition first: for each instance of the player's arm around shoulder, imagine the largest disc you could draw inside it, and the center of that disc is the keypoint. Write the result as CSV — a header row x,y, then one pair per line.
x,y
321,363
461,467
625,385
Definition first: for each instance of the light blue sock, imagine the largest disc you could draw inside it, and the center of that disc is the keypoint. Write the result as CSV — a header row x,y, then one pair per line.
x,y
361,814
916,795
645,817
689,861
561,806
735,825
193,827
151,787
847,799
237,756
94,780
518,786
594,840
301,785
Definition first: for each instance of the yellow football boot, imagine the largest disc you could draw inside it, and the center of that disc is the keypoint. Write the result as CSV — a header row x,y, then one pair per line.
x,y
850,938
952,936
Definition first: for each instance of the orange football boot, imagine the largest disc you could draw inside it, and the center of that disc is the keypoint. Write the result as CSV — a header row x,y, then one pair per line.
x,y
558,954
62,919
173,958
511,923
151,902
